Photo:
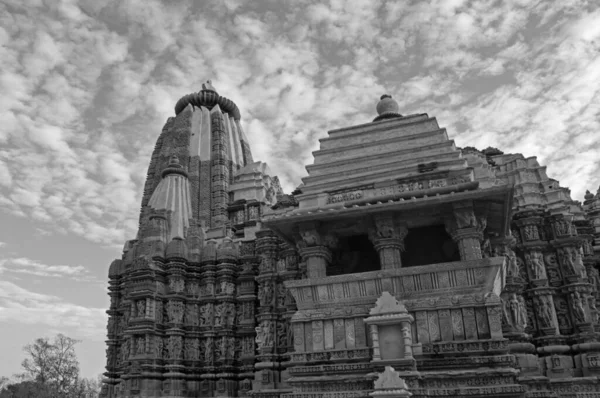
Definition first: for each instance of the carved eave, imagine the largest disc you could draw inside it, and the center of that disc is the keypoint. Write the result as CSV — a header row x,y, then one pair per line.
x,y
497,201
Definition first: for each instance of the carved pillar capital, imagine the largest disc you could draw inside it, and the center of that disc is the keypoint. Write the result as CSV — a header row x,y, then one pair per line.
x,y
384,226
466,230
562,226
387,237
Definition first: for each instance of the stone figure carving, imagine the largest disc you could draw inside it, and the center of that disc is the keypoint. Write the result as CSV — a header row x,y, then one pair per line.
x,y
123,321
282,334
175,347
544,312
177,285
208,350
562,227
264,334
219,314
248,346
141,345
486,248
522,314
259,336
191,314
125,350
515,233
531,232
175,311
220,349
193,289
536,264
465,218
577,306
229,314
229,347
281,264
206,315
158,312
281,295
188,349
245,385
141,308
576,257
290,335
227,288
252,212
158,347
593,310
310,237
513,304
512,267
195,349
265,294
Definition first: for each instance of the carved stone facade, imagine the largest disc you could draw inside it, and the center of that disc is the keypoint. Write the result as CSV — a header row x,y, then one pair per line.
x,y
384,274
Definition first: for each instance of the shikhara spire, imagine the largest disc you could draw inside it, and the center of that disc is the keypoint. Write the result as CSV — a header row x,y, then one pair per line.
x,y
471,272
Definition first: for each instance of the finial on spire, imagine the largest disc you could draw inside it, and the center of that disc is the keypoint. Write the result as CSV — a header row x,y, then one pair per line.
x,y
174,167
208,86
387,108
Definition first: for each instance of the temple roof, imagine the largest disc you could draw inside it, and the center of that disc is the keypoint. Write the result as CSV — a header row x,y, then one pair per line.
x,y
402,148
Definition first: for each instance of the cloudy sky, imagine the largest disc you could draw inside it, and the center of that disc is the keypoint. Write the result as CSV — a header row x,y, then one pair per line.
x,y
86,87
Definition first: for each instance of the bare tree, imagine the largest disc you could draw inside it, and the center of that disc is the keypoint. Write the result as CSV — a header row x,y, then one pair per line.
x,y
53,364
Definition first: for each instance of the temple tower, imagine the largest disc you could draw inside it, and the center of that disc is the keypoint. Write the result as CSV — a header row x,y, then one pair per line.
x,y
183,295
401,266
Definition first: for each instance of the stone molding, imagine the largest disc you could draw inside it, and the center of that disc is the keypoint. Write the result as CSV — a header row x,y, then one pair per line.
x,y
438,281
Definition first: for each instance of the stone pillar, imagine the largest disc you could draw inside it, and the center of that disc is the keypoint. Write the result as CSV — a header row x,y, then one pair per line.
x,y
266,375
466,230
315,248
114,330
225,315
388,239
208,272
220,172
246,286
287,269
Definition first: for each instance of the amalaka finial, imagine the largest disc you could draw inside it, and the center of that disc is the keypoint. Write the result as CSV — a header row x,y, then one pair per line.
x,y
208,86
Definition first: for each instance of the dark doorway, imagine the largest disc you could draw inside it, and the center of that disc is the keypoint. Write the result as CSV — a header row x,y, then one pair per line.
x,y
354,254
429,245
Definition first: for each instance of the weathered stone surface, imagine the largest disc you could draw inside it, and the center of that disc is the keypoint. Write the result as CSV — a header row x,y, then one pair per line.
x,y
233,289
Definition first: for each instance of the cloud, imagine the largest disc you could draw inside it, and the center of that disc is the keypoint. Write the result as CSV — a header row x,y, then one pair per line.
x,y
23,265
88,86
19,305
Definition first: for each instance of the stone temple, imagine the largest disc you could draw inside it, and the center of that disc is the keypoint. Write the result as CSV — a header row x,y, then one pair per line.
x,y
401,266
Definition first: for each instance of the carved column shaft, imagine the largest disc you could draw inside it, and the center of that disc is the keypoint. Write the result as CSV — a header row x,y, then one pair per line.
x,y
316,258
375,340
468,241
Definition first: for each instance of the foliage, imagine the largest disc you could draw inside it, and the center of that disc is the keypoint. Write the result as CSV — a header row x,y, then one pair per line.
x,y
51,370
